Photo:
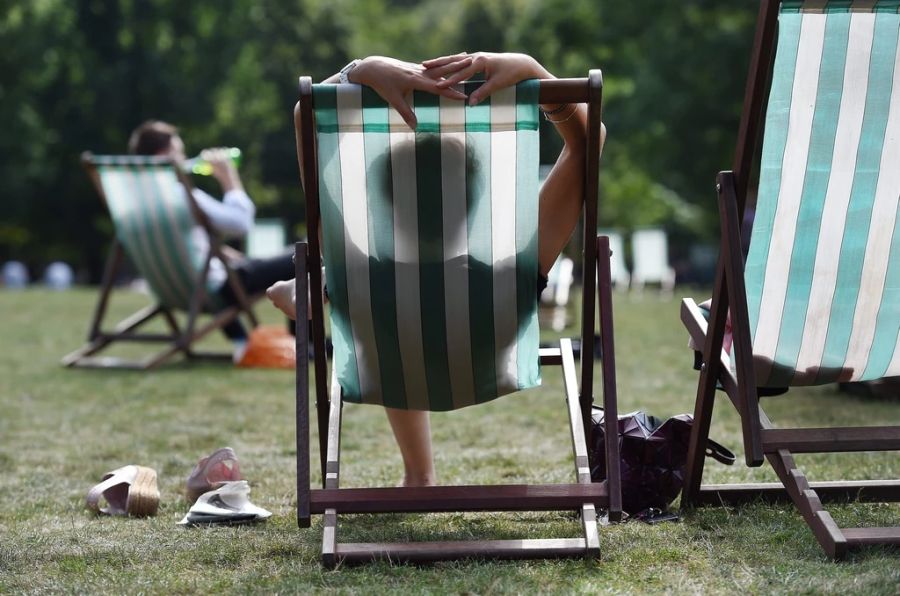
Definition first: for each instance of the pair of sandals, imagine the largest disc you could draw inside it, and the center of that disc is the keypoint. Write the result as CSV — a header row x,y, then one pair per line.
x,y
132,490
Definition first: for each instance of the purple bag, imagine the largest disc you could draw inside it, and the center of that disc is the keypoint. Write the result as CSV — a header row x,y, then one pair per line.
x,y
653,455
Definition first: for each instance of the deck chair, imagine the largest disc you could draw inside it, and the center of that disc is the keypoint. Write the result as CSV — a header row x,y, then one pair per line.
x,y
154,215
430,247
266,238
816,301
555,298
650,250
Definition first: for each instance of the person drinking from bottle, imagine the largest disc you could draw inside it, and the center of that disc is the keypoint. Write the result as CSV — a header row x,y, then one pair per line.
x,y
231,217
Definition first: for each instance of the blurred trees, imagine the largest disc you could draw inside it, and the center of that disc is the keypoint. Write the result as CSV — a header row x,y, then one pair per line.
x,y
80,74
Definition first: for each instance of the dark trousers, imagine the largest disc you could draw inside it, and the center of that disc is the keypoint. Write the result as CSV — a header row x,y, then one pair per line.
x,y
256,275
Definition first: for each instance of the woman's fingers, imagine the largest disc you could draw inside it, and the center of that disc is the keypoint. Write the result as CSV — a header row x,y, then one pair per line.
x,y
451,93
442,60
489,86
439,72
461,75
432,87
398,102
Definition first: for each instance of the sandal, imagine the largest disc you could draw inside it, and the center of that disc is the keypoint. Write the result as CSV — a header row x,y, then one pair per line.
x,y
211,472
129,490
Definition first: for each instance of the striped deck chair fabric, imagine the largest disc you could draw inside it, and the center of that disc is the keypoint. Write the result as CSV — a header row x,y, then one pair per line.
x,y
823,271
153,221
430,245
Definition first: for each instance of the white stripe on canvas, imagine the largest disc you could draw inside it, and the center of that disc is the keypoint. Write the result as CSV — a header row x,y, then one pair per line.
x,y
356,239
406,261
456,252
803,100
878,247
837,198
503,232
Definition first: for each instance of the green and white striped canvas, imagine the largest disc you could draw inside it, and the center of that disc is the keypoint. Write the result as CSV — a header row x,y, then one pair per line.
x,y
823,272
430,245
153,221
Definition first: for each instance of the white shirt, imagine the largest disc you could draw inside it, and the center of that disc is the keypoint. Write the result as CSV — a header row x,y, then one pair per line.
x,y
232,217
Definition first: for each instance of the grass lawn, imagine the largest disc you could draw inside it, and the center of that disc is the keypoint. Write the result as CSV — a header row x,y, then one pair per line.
x,y
60,430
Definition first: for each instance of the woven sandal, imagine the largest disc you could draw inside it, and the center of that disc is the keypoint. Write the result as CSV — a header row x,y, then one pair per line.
x,y
129,490
211,472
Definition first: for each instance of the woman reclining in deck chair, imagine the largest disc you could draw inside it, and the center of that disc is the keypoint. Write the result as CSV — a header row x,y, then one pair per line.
x,y
560,197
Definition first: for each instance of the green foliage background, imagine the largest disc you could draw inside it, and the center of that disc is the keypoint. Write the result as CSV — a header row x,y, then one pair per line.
x,y
78,75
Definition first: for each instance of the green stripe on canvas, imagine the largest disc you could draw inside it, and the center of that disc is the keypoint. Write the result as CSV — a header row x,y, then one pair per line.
x,y
528,359
856,230
887,327
888,6
382,286
325,102
815,186
481,282
331,203
777,117
428,113
431,253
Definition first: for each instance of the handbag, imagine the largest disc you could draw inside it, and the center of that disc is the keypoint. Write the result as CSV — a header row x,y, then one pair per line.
x,y
653,456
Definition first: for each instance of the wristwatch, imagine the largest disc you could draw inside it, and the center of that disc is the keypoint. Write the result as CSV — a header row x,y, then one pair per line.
x,y
344,75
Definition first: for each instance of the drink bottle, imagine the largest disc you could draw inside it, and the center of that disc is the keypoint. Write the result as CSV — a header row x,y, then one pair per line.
x,y
198,165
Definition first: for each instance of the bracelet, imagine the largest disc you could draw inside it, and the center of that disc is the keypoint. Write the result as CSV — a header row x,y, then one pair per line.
x,y
344,74
561,120
555,110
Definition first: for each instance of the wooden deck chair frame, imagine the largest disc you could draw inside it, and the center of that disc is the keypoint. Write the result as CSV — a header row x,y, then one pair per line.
x,y
581,496
179,338
761,438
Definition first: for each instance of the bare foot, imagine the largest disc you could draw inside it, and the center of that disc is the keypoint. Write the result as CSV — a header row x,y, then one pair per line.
x,y
283,296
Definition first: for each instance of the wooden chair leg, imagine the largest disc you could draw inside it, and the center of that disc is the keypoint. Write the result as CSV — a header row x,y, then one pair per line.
x,y
302,386
608,372
332,475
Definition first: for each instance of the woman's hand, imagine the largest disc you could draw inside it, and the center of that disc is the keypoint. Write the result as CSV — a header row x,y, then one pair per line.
x,y
394,80
500,71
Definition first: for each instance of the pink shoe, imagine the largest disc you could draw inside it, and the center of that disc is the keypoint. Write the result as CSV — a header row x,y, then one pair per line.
x,y
211,472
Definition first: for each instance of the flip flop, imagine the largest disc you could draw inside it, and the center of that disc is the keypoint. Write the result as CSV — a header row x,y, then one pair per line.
x,y
212,472
129,490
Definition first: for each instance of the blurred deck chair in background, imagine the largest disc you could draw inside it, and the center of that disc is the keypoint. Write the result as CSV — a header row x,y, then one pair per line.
x,y
430,247
266,238
621,279
650,252
154,215
818,300
556,296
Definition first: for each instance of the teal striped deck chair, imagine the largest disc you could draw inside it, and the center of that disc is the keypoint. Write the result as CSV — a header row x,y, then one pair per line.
x,y
818,299
154,216
429,240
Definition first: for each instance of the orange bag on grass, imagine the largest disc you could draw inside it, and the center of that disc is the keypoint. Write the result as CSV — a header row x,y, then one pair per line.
x,y
270,346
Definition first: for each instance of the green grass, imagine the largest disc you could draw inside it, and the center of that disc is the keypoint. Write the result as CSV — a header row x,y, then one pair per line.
x,y
60,430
